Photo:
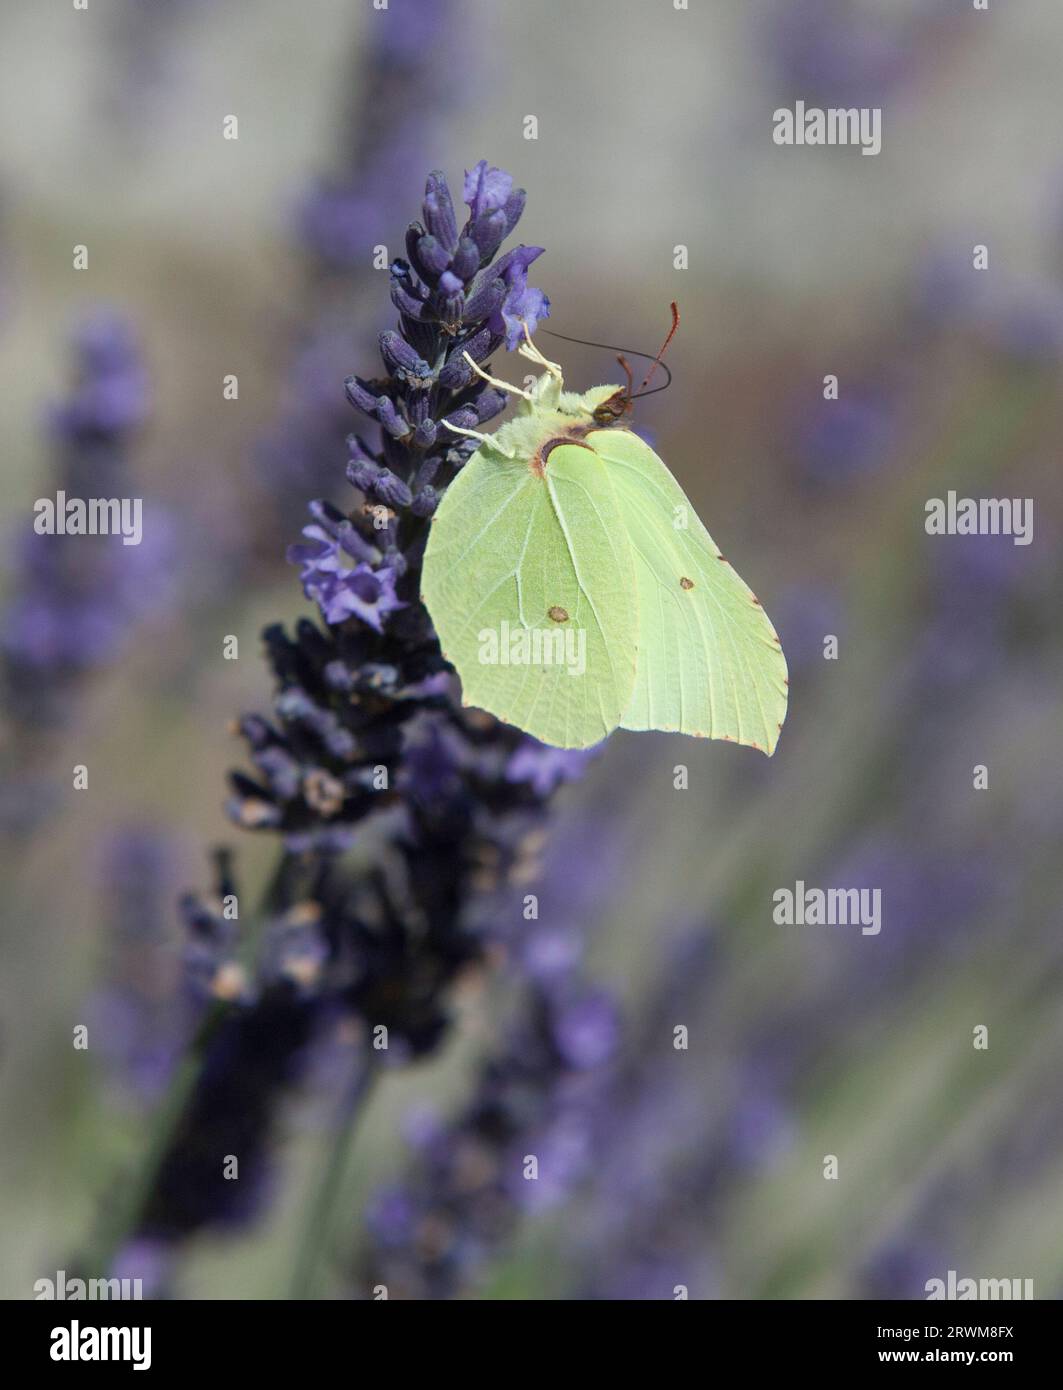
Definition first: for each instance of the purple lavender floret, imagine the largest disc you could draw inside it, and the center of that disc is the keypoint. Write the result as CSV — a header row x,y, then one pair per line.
x,y
343,585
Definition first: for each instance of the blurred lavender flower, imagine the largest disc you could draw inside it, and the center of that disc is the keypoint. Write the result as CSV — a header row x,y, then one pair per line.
x,y
837,442
1019,317
436,1233
75,600
983,596
401,87
141,1015
662,1147
836,53
543,768
900,1270
537,1095
805,614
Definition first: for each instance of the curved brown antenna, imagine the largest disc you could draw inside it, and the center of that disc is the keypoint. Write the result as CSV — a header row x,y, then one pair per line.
x,y
655,361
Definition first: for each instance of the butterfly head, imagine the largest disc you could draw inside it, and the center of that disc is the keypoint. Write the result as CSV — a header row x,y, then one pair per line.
x,y
600,406
608,405
613,408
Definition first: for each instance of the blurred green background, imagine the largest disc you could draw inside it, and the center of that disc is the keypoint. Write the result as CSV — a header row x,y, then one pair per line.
x,y
654,131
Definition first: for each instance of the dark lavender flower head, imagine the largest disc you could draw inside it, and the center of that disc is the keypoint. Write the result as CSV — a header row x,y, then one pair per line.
x,y
452,300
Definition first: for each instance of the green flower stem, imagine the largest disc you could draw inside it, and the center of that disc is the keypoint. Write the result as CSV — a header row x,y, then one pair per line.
x,y
320,1214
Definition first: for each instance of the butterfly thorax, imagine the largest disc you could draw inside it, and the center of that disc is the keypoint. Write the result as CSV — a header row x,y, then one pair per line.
x,y
554,416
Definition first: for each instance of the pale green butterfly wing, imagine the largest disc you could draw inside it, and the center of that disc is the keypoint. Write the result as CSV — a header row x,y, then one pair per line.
x,y
709,661
509,547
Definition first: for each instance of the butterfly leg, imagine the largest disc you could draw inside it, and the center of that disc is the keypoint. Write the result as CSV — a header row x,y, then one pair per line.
x,y
494,380
529,350
506,452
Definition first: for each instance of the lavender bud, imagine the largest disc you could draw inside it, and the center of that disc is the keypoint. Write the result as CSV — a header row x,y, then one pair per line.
x,y
439,211
432,257
360,395
401,360
424,436
466,260
485,301
456,374
489,233
426,501
488,404
514,208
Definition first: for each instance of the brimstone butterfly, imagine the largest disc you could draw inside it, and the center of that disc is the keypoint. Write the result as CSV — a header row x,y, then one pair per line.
x,y
575,590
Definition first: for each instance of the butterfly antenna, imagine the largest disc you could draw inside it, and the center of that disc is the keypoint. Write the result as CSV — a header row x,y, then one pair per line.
x,y
655,361
625,367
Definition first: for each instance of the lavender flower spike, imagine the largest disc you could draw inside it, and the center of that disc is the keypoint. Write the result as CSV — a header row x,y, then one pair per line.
x,y
366,729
